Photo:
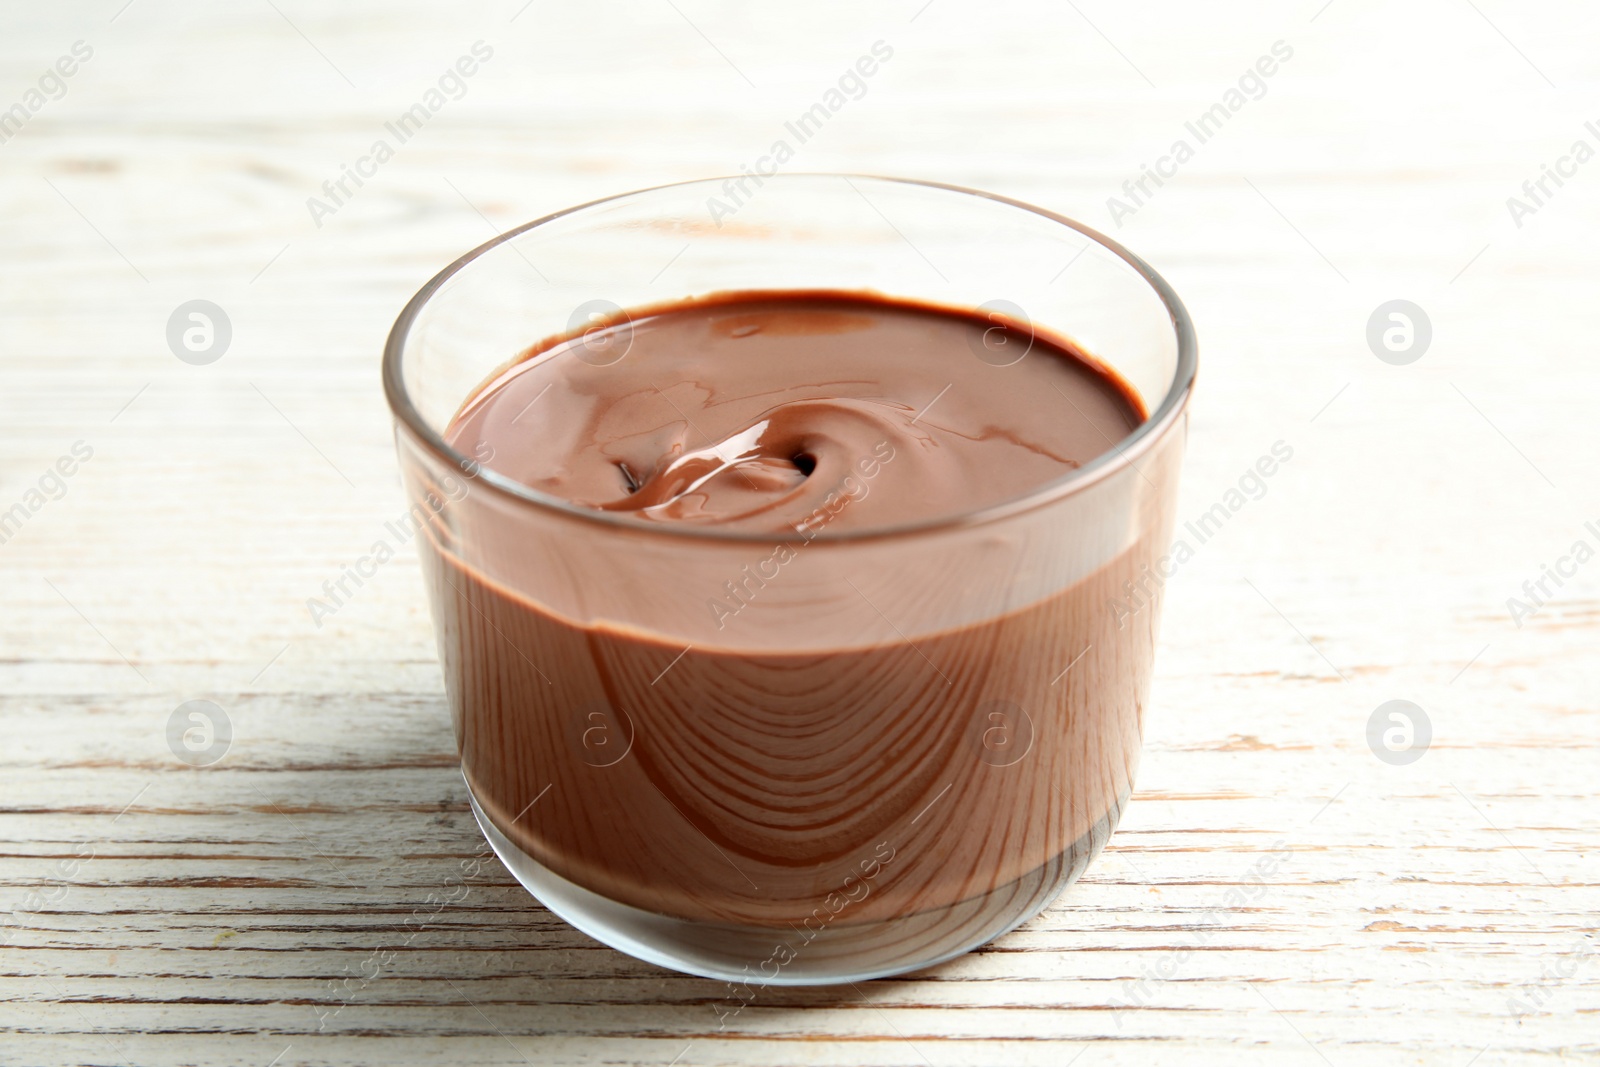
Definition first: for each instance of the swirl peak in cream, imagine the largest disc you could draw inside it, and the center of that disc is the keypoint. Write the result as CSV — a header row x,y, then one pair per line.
x,y
775,411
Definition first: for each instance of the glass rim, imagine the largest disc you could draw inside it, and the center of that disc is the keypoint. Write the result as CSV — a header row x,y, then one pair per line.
x,y
1121,455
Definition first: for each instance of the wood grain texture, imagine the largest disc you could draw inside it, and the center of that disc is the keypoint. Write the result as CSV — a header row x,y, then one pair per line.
x,y
1276,894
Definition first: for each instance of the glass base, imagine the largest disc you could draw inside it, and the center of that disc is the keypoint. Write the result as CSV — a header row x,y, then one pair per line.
x,y
843,952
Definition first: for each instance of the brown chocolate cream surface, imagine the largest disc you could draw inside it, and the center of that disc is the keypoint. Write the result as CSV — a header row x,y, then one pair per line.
x,y
774,411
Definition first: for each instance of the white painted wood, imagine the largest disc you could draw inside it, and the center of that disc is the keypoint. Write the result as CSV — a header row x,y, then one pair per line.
x,y
1442,912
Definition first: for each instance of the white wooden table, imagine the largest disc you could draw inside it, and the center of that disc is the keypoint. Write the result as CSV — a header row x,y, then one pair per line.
x,y
1276,894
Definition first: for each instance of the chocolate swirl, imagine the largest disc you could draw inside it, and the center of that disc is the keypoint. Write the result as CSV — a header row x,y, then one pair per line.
x,y
764,413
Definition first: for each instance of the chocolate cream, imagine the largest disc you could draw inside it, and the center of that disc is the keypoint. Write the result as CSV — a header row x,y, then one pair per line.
x,y
955,779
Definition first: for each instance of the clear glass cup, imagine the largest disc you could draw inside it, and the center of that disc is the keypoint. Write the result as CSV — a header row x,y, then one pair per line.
x,y
797,799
